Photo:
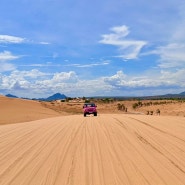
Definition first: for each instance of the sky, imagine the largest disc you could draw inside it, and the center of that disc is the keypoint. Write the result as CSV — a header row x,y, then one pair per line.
x,y
92,48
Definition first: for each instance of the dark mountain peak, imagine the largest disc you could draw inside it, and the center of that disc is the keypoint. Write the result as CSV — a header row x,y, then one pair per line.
x,y
182,93
56,96
11,96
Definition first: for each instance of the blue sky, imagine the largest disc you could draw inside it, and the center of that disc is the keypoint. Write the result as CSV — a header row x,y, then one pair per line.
x,y
92,48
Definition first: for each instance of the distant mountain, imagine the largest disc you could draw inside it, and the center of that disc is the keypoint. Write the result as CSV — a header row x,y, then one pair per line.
x,y
59,96
166,96
182,93
11,96
56,96
154,97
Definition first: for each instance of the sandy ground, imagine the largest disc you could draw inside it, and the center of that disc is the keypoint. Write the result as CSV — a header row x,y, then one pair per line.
x,y
166,107
53,144
110,149
13,110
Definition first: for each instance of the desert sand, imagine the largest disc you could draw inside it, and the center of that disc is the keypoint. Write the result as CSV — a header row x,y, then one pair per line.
x,y
110,149
15,110
167,107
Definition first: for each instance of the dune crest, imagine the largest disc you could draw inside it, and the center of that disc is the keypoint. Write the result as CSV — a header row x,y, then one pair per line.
x,y
15,110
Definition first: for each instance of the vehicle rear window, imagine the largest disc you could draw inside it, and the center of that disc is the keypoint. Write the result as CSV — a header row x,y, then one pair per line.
x,y
89,105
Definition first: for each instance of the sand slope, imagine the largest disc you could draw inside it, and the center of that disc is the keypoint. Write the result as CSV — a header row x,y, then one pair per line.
x,y
14,110
108,149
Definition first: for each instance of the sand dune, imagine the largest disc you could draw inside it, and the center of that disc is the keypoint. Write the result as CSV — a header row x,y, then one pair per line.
x,y
14,110
111,149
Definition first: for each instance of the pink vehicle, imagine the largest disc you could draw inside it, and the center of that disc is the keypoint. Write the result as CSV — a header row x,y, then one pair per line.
x,y
89,108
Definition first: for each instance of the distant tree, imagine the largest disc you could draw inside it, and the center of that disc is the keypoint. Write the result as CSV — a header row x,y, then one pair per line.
x,y
135,105
68,98
121,107
87,101
140,104
105,100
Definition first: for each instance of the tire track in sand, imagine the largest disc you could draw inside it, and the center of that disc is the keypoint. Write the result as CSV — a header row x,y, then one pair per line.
x,y
30,154
103,150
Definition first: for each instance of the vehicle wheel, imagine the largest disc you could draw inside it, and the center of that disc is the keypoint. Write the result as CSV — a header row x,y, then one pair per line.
x,y
84,114
95,114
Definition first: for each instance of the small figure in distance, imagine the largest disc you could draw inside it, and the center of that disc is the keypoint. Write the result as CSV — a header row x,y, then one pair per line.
x,y
158,112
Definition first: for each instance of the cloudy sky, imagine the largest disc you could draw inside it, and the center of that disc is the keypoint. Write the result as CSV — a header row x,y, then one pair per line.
x,y
92,48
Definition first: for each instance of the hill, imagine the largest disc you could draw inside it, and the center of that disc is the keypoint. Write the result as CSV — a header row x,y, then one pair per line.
x,y
182,93
11,96
13,110
56,96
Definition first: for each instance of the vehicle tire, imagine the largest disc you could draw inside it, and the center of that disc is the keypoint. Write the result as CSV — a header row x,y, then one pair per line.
x,y
84,114
95,114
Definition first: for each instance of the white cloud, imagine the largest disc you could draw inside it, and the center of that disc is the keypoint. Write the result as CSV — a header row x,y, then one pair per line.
x,y
116,79
8,39
4,58
90,65
162,79
115,38
171,55
5,66
23,78
23,83
7,55
103,63
44,43
48,64
11,39
129,49
32,74
65,77
35,83
175,77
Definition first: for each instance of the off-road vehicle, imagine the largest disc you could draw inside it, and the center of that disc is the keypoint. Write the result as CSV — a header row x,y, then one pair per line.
x,y
89,108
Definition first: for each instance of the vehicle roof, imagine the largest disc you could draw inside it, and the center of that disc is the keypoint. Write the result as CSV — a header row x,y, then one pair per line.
x,y
88,103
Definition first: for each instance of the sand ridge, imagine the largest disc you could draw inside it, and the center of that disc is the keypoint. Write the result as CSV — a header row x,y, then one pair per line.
x,y
15,110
